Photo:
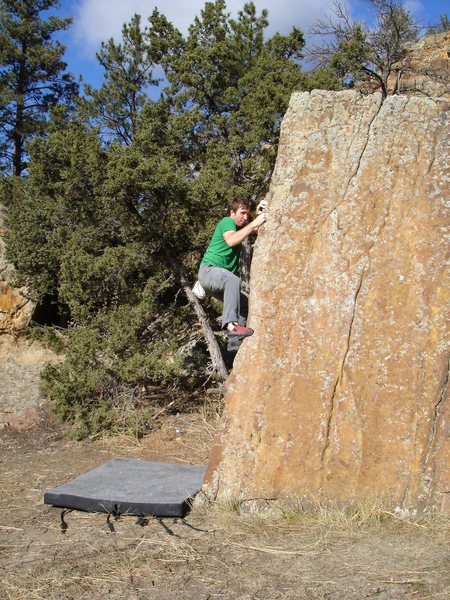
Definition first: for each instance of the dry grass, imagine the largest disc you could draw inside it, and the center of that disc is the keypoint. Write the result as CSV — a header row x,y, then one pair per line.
x,y
317,514
218,552
363,516
246,556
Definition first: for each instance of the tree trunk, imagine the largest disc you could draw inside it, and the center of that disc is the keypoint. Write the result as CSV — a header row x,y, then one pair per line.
x,y
17,155
18,124
213,347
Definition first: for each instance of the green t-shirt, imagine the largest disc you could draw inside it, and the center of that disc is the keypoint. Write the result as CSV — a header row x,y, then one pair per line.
x,y
219,253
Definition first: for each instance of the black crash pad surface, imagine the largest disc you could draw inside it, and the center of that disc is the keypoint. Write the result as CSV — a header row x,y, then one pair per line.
x,y
130,486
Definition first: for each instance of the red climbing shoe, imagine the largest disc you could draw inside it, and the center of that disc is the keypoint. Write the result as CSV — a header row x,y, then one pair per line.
x,y
234,329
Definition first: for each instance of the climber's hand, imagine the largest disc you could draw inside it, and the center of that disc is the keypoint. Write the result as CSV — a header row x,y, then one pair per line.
x,y
262,207
260,219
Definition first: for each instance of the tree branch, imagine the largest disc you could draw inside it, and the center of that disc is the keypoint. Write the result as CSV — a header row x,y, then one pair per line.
x,y
210,338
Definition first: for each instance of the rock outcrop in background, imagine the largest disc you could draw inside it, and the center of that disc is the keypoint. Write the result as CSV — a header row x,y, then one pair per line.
x,y
21,360
423,71
426,67
342,393
21,363
16,309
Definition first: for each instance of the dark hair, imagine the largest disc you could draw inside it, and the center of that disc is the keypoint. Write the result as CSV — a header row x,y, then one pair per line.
x,y
239,203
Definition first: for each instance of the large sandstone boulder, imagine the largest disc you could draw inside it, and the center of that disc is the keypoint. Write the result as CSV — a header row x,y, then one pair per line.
x,y
342,393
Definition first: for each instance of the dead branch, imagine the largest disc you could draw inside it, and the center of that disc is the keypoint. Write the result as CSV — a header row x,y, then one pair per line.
x,y
208,334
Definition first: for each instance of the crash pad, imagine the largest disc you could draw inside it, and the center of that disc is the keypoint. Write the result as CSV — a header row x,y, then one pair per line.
x,y
130,486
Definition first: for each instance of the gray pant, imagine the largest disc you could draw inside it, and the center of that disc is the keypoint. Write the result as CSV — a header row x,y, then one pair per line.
x,y
226,287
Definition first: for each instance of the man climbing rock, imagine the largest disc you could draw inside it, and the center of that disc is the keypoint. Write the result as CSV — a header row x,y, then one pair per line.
x,y
217,274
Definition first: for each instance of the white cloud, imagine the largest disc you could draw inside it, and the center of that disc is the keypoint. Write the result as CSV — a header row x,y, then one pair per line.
x,y
99,20
415,7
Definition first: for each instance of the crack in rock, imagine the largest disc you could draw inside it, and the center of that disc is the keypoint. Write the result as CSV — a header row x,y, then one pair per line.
x,y
341,373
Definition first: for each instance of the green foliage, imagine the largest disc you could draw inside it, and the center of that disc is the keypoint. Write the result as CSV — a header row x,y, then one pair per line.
x,y
29,247
228,90
352,54
119,350
128,73
82,229
77,385
57,200
322,79
49,336
31,75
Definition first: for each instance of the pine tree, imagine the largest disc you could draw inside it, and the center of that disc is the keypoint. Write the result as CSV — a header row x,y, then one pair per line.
x,y
77,236
32,77
228,90
128,71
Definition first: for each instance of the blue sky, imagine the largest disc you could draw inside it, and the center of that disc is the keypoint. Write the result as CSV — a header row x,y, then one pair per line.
x,y
95,21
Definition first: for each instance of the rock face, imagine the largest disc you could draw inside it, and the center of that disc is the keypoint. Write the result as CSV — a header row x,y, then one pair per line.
x,y
16,309
342,393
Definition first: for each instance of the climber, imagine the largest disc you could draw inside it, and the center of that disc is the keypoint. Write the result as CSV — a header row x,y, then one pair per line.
x,y
217,274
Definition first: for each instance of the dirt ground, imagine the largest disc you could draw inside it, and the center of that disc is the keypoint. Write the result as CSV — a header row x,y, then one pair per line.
x,y
214,553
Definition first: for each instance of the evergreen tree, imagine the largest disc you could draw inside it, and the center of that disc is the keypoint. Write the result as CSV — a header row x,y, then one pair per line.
x,y
228,90
79,233
31,75
128,71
